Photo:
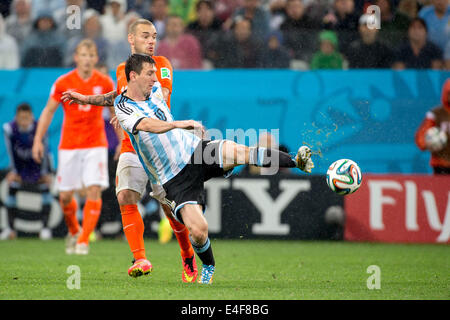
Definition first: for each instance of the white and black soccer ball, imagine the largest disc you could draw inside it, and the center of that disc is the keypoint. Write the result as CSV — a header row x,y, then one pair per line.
x,y
344,176
435,139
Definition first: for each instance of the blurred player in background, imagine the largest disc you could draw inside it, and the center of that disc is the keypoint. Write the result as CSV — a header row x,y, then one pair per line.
x,y
434,133
131,180
83,149
180,160
25,173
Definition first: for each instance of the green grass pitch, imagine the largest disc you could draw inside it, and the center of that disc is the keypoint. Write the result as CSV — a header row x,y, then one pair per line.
x,y
245,269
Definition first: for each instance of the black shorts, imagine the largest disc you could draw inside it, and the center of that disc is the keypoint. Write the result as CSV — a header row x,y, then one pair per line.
x,y
187,187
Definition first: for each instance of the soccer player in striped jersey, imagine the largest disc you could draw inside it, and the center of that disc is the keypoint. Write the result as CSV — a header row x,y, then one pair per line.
x,y
180,160
131,179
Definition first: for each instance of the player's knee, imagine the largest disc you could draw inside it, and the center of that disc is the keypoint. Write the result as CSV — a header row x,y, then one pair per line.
x,y
199,231
125,197
65,198
94,192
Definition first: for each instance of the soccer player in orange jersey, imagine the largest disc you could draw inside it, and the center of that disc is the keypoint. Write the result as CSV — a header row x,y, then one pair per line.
x,y
82,155
131,179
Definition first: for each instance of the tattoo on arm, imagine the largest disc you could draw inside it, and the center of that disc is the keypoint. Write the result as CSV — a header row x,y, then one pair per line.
x,y
103,99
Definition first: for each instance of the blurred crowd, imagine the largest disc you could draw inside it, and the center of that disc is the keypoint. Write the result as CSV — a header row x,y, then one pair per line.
x,y
210,34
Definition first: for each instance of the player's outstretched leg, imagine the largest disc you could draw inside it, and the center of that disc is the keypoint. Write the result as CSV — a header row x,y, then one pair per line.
x,y
234,154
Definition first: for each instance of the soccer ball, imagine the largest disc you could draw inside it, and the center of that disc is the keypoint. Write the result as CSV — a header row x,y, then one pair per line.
x,y
435,139
344,176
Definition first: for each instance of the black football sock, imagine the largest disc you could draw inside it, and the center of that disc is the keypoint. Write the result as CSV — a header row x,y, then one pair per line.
x,y
204,252
266,157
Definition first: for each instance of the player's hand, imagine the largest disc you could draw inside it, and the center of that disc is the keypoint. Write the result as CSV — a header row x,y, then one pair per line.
x,y
198,128
74,97
115,122
37,151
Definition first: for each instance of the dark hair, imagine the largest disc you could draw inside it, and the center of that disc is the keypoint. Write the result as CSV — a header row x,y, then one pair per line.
x,y
208,3
420,20
135,63
23,107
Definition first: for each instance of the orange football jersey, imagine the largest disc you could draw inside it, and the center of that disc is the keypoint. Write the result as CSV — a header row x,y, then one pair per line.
x,y
83,125
163,72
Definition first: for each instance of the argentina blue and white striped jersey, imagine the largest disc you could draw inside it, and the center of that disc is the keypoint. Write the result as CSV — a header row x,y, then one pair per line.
x,y
163,155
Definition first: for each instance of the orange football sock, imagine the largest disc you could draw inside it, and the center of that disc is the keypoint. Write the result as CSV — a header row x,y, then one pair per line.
x,y
133,227
91,213
70,216
181,233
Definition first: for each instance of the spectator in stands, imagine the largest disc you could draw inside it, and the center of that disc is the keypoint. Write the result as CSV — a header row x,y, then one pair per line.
x,y
342,19
437,18
45,45
114,22
327,57
120,50
141,7
418,52
275,55
238,49
408,8
158,14
25,173
97,5
206,28
368,52
258,16
184,9
64,24
9,50
38,6
438,117
19,23
394,24
299,31
224,9
92,29
182,49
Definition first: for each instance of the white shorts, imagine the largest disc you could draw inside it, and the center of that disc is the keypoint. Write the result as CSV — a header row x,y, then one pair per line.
x,y
80,168
130,175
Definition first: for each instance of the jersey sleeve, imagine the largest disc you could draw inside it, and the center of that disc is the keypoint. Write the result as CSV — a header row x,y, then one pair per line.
x,y
165,73
57,90
128,115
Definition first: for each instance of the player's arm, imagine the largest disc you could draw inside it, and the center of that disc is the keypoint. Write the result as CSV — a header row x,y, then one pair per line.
x,y
118,130
426,124
106,100
160,126
38,150
166,93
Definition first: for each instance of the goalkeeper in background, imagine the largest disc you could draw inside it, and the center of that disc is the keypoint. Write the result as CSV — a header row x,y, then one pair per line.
x,y
437,142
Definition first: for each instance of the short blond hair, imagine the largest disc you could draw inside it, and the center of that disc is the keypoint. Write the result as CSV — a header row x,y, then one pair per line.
x,y
133,26
87,43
